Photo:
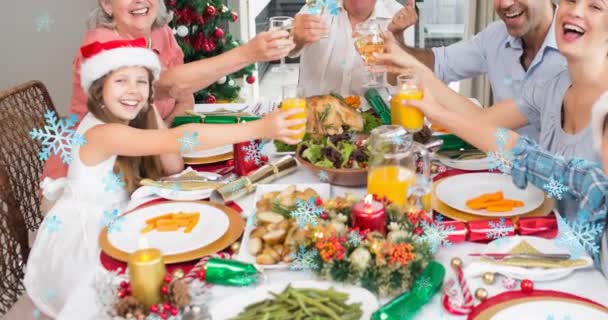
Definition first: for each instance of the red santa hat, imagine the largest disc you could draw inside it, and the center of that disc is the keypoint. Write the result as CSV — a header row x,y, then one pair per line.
x,y
598,114
100,58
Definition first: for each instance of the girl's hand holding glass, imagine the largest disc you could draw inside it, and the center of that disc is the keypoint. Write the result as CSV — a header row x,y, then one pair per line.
x,y
278,126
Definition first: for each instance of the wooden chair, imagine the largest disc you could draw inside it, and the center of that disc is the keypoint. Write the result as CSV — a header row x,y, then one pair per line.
x,y
22,108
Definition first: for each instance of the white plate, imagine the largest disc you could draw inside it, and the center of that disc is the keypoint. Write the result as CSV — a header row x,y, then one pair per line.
x,y
324,191
479,267
213,107
212,225
456,190
178,195
550,309
233,305
209,152
467,165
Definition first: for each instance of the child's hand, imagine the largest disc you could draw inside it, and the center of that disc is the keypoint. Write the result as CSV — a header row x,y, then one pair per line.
x,y
277,127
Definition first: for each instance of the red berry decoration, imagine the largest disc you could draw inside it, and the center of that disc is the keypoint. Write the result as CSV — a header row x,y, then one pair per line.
x,y
324,215
527,286
124,284
168,278
154,308
235,17
318,202
163,315
164,290
218,33
200,274
174,311
122,293
250,79
210,99
167,307
210,11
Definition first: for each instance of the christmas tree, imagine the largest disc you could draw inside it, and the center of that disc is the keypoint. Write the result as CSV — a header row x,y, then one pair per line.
x,y
200,30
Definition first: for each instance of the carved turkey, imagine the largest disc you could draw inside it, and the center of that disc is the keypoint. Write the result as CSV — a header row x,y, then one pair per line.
x,y
326,115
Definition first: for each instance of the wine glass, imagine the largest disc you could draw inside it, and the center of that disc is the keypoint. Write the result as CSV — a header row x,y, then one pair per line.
x,y
368,41
281,23
317,7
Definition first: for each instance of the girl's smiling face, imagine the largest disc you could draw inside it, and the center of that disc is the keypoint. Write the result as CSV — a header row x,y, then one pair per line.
x,y
126,92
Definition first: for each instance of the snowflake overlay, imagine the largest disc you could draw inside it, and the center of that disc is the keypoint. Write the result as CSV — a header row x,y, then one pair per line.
x,y
552,317
58,137
43,22
579,235
555,189
424,284
436,234
500,231
52,224
113,182
306,212
112,221
304,259
253,152
323,176
501,160
354,238
397,140
188,142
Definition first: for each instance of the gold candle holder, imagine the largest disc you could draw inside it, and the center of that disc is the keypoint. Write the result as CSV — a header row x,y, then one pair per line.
x,y
147,271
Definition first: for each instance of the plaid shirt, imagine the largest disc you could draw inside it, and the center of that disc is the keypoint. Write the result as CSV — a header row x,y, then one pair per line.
x,y
585,181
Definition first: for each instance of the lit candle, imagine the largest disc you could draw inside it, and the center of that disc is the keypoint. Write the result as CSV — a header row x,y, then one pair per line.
x,y
147,271
369,215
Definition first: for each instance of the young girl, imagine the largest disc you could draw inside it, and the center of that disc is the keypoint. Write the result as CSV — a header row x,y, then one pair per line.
x,y
126,140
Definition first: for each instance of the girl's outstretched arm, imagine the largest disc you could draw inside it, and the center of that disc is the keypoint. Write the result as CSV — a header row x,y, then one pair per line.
x,y
106,140
171,162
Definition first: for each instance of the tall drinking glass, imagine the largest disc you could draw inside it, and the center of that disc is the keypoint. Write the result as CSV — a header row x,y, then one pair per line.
x,y
407,116
318,7
368,41
293,98
281,23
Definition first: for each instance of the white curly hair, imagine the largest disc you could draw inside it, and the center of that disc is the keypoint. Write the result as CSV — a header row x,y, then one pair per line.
x,y
101,19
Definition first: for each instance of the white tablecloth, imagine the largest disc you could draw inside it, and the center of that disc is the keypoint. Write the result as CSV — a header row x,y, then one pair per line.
x,y
588,283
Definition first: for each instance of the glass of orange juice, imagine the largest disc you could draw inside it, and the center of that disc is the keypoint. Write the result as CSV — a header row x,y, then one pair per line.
x,y
293,98
392,172
407,116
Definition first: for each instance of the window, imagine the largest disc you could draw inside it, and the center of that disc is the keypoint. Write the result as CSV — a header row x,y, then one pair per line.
x,y
440,22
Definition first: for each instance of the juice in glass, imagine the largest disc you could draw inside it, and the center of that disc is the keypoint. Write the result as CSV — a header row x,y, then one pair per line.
x,y
293,99
409,117
392,182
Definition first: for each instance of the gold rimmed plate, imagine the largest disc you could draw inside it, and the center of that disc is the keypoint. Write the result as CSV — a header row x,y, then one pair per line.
x,y
218,227
214,155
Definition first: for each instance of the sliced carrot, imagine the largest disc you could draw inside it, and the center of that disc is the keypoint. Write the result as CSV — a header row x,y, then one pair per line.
x,y
164,216
517,203
192,224
499,209
148,228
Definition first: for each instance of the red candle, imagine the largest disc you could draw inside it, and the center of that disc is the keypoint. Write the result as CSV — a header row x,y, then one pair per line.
x,y
369,215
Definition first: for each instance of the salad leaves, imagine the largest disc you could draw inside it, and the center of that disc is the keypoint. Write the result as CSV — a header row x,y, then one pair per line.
x,y
343,151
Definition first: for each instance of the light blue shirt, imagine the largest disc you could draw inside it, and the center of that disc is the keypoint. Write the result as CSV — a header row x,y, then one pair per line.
x,y
495,53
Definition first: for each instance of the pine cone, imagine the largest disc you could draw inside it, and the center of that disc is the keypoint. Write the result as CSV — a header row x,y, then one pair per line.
x,y
178,293
127,305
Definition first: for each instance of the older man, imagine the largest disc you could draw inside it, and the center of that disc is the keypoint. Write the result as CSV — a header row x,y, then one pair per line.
x,y
329,61
519,49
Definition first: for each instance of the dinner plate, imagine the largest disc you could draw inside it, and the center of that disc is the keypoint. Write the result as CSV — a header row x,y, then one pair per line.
x,y
218,227
467,165
220,107
324,191
233,305
456,190
209,152
538,305
175,193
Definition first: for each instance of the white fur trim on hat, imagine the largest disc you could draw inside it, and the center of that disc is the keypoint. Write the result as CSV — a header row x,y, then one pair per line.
x,y
598,114
106,61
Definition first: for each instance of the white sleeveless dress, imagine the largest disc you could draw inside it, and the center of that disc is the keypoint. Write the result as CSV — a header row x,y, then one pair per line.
x,y
66,246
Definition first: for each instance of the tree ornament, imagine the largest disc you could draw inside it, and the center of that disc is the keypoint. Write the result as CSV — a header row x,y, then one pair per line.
x,y
250,79
222,80
527,286
456,262
210,99
218,33
210,11
481,294
235,17
182,31
488,278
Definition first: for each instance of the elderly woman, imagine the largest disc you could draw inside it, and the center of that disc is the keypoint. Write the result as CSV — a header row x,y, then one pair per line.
x,y
130,19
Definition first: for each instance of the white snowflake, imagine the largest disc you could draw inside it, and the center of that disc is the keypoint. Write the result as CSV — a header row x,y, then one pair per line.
x,y
552,317
304,259
306,212
52,224
253,152
502,137
112,221
58,137
113,182
436,234
323,176
555,189
500,231
424,284
354,238
43,22
501,160
398,140
188,142
579,235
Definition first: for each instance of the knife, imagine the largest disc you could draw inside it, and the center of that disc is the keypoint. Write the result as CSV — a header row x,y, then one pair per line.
x,y
501,256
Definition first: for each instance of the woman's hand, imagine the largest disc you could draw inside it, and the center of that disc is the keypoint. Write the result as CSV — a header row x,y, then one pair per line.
x,y
308,29
276,126
404,19
396,59
269,46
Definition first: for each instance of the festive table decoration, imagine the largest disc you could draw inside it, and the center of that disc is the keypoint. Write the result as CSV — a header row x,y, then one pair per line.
x,y
369,214
146,269
453,304
248,157
228,272
407,305
335,249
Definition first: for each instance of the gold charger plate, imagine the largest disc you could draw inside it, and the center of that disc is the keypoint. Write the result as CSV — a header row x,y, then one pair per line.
x,y
236,226
452,213
212,159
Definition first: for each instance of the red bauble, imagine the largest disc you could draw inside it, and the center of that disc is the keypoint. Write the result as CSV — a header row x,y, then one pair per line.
x,y
527,286
164,290
168,278
218,33
210,99
250,79
122,293
163,316
211,44
318,202
200,274
154,308
210,11
174,311
124,284
235,17
324,215
167,307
